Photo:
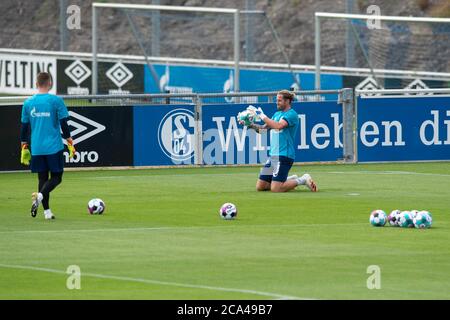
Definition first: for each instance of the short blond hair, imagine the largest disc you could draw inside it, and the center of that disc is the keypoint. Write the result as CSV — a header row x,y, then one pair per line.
x,y
287,95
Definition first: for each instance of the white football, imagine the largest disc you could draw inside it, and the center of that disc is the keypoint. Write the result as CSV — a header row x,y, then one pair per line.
x,y
96,206
228,211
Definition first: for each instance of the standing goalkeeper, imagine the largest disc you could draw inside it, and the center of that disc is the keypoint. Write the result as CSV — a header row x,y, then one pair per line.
x,y
283,127
46,115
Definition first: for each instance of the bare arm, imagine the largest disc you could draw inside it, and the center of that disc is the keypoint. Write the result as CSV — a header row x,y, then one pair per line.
x,y
258,128
272,124
269,124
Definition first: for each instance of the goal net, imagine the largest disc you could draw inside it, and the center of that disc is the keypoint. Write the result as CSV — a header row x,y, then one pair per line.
x,y
412,47
194,37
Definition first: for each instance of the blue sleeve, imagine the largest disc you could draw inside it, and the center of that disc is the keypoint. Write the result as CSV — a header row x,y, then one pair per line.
x,y
24,131
61,109
65,128
291,118
25,114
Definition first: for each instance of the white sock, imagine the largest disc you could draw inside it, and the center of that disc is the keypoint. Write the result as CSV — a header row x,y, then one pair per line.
x,y
48,212
40,196
302,180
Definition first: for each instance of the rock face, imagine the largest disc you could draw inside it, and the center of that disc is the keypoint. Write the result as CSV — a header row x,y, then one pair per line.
x,y
34,24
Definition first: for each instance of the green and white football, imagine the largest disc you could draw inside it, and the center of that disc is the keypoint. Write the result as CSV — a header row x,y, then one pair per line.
x,y
422,220
246,117
406,219
378,218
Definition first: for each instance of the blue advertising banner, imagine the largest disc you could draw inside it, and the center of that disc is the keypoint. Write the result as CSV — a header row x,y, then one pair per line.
x,y
319,137
225,141
403,129
164,135
187,79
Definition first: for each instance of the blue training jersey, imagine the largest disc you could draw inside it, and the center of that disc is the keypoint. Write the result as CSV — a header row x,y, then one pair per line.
x,y
44,111
282,141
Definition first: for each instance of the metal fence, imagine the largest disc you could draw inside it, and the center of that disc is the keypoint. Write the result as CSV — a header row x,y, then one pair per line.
x,y
361,126
185,98
401,92
342,97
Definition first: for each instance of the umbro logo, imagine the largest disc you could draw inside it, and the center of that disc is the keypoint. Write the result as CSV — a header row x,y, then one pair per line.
x,y
85,128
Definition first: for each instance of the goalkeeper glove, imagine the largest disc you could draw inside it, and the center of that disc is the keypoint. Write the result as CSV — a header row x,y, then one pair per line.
x,y
259,114
25,155
70,147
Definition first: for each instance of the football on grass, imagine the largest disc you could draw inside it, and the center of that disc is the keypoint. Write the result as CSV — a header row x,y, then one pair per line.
x,y
406,219
96,206
228,211
422,220
378,218
393,218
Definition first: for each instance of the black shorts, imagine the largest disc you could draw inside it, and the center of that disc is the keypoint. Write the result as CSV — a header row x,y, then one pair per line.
x,y
276,169
45,163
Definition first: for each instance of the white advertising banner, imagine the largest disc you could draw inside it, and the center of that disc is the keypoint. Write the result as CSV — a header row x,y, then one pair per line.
x,y
18,73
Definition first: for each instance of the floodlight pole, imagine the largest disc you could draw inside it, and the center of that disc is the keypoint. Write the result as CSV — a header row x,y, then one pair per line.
x,y
350,39
317,52
236,51
63,34
156,30
94,51
249,6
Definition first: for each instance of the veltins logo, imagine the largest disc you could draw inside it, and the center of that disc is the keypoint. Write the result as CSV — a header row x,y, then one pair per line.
x,y
176,134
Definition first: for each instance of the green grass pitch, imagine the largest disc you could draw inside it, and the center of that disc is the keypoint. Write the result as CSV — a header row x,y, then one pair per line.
x,y
161,236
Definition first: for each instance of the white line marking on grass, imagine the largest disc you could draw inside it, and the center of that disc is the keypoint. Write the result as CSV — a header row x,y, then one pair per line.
x,y
390,173
165,283
184,228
